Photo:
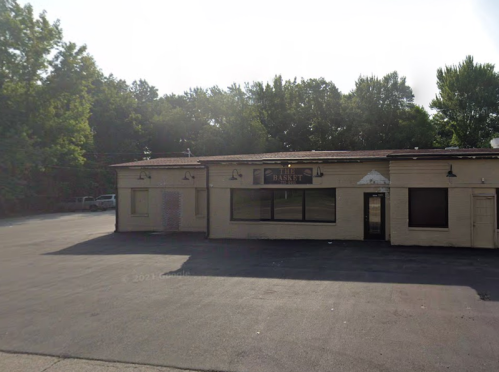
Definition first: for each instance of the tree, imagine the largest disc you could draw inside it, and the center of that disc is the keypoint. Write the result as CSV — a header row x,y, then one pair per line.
x,y
301,115
384,115
233,123
45,101
468,102
25,46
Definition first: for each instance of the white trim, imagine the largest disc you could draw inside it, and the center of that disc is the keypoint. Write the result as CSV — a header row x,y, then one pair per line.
x,y
488,196
303,223
429,229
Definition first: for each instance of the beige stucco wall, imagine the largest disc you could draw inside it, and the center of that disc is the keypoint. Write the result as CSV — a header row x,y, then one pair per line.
x,y
349,200
161,180
344,177
417,173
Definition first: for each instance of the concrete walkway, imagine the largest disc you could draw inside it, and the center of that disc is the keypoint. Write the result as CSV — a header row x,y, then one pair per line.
x,y
37,363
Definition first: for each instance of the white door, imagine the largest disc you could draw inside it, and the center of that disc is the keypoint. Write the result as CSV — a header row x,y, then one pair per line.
x,y
484,227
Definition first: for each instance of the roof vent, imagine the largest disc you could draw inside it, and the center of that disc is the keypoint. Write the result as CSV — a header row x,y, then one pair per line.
x,y
452,148
494,142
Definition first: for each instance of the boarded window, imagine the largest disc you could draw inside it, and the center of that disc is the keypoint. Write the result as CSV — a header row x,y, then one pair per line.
x,y
428,207
257,176
140,202
200,202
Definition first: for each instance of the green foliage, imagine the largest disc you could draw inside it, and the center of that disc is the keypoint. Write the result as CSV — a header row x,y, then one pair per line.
x,y
45,102
63,122
467,103
384,115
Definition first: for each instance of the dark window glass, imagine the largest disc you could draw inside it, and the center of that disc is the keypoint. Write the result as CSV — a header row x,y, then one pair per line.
x,y
251,204
265,204
320,205
284,204
288,205
428,207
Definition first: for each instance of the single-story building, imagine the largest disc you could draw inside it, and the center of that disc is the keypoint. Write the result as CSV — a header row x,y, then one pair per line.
x,y
408,197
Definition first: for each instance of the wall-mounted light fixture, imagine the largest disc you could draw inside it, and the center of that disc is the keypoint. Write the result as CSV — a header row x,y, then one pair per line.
x,y
284,165
450,173
319,172
233,178
144,174
187,178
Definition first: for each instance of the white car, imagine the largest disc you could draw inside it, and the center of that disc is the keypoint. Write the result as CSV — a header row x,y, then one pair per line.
x,y
107,201
79,204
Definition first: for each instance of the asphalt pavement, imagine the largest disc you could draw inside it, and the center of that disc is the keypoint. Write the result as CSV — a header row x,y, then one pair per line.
x,y
71,288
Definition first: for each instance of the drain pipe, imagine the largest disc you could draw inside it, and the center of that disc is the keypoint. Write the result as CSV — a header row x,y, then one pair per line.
x,y
116,201
207,201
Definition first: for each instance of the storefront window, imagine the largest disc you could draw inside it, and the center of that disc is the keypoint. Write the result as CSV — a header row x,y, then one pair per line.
x,y
320,205
250,204
306,205
288,205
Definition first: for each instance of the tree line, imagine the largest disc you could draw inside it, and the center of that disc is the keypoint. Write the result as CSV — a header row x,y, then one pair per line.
x,y
63,122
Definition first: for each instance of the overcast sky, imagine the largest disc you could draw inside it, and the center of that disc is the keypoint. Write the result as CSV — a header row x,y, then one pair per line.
x,y
176,45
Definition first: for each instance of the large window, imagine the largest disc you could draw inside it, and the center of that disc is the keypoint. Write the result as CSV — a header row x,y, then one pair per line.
x,y
428,207
306,205
288,205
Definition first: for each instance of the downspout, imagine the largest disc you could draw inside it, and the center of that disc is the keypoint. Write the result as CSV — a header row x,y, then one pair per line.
x,y
117,215
207,202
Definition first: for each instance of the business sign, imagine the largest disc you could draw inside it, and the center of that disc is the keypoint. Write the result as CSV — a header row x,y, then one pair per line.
x,y
287,176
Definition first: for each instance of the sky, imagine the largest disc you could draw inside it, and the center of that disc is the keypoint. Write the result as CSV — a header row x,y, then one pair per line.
x,y
177,45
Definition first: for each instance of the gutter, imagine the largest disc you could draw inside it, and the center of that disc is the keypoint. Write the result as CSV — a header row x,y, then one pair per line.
x,y
447,157
356,160
207,202
116,196
158,166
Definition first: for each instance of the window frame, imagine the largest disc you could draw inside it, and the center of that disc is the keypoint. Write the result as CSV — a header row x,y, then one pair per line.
x,y
426,226
497,209
272,206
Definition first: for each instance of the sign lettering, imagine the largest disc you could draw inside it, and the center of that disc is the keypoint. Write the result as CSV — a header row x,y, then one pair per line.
x,y
288,176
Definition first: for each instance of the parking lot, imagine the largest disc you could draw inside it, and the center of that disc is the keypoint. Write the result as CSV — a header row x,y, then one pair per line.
x,y
71,287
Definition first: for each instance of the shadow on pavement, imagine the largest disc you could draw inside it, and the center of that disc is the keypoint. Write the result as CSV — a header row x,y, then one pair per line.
x,y
355,261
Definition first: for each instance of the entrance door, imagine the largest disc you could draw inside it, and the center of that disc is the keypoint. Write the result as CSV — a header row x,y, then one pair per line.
x,y
483,222
374,216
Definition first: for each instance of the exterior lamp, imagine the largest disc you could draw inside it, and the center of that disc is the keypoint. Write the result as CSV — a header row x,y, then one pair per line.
x,y
450,173
147,175
233,178
187,178
319,172
284,165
